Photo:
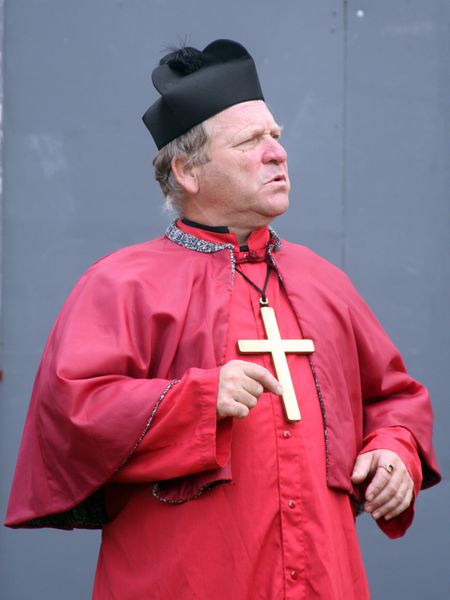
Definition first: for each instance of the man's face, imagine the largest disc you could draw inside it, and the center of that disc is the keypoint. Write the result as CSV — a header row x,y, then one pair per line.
x,y
246,183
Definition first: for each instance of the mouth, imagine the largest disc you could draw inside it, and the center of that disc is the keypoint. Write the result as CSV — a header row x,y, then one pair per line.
x,y
280,177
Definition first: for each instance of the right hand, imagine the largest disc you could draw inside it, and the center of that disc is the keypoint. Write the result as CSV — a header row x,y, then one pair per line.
x,y
241,383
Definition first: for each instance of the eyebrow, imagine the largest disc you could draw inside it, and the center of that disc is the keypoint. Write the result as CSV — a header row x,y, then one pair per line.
x,y
252,131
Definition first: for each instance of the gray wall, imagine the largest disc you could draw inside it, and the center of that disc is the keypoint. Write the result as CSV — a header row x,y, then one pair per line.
x,y
362,89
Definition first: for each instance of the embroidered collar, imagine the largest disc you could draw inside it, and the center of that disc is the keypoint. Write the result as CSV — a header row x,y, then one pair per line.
x,y
192,242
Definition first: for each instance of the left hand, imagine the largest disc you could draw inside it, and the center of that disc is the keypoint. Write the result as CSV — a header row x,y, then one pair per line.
x,y
388,494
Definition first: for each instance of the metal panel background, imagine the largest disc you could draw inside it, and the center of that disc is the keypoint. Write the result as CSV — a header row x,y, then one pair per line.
x,y
362,89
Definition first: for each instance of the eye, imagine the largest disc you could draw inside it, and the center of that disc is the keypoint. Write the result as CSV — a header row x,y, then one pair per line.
x,y
250,141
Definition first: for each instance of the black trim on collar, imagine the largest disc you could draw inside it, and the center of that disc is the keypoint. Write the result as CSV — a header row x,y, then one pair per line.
x,y
218,229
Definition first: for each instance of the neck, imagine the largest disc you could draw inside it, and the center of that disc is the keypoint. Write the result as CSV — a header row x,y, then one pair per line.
x,y
242,234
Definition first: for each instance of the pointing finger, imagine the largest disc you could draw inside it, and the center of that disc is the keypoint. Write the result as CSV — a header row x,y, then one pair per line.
x,y
264,377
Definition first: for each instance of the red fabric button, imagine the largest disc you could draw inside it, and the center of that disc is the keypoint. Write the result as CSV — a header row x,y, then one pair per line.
x,y
294,574
286,434
291,503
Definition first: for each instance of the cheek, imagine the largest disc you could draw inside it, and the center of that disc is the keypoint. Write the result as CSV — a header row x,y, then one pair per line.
x,y
249,170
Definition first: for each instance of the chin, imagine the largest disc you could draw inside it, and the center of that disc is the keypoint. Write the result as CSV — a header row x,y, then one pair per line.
x,y
276,207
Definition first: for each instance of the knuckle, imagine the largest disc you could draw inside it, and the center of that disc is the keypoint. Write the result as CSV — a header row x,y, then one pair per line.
x,y
231,379
391,491
267,376
405,502
399,497
221,403
259,389
235,378
251,402
223,406
241,412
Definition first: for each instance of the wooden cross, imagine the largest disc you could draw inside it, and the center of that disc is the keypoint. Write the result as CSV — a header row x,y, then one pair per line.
x,y
278,348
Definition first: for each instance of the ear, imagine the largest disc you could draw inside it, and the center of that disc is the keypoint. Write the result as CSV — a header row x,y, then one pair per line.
x,y
186,175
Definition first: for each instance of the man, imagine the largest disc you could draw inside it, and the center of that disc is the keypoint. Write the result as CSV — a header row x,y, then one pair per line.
x,y
158,412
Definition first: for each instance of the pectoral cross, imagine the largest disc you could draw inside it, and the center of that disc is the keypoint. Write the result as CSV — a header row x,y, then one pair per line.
x,y
278,348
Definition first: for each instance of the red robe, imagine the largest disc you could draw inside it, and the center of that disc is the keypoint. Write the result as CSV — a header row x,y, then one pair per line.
x,y
108,410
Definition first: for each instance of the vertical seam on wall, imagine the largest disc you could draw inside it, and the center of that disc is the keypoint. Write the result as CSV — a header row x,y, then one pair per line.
x,y
344,135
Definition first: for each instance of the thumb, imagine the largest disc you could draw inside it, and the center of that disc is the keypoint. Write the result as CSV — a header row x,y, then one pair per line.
x,y
362,467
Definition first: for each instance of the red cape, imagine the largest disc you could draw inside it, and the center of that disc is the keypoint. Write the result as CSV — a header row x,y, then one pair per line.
x,y
137,321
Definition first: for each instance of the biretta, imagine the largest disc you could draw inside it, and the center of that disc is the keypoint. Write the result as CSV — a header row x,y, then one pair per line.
x,y
196,85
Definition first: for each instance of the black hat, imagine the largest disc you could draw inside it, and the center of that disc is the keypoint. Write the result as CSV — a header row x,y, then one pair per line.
x,y
196,85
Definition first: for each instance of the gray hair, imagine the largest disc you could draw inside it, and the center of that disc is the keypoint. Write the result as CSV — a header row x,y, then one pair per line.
x,y
191,146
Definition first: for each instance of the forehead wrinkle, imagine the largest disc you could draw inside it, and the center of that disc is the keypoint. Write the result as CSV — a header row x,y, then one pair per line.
x,y
251,130
242,124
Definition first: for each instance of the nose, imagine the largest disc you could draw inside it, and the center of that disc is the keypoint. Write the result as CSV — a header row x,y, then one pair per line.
x,y
274,151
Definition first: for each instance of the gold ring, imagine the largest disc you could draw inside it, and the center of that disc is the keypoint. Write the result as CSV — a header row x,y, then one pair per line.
x,y
389,468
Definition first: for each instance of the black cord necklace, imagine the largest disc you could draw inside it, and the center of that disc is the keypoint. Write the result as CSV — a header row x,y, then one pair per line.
x,y
263,300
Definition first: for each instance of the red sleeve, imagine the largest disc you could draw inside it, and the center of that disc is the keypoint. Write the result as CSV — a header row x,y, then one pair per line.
x,y
97,398
184,436
391,397
402,442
